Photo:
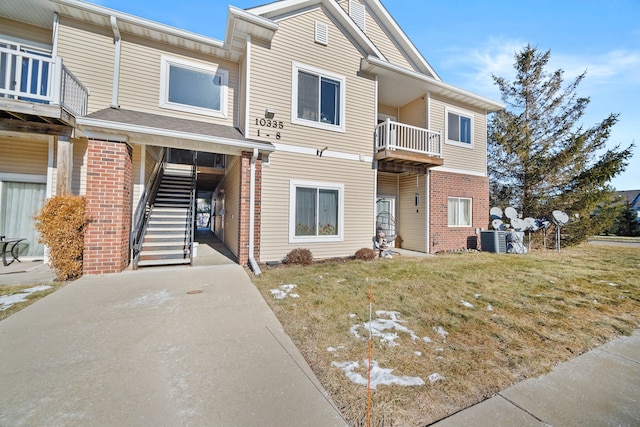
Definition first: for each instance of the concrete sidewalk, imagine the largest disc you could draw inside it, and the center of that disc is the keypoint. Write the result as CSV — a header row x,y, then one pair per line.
x,y
598,388
164,347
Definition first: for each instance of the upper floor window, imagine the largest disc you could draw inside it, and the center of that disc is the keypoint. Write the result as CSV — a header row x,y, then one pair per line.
x,y
193,87
459,128
318,98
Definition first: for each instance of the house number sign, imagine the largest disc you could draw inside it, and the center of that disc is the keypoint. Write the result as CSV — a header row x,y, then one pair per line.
x,y
271,128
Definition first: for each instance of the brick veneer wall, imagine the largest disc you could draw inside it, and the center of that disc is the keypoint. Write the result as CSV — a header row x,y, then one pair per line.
x,y
243,223
108,195
444,185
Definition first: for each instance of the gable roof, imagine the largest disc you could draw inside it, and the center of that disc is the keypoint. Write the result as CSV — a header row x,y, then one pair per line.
x,y
285,8
630,196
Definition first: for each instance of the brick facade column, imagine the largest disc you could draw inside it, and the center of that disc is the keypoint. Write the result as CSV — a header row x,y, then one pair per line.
x,y
244,209
108,196
444,185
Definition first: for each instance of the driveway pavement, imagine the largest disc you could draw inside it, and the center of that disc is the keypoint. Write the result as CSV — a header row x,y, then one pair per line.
x,y
172,346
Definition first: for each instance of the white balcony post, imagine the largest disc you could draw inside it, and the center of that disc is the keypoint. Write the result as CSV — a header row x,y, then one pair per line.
x,y
56,87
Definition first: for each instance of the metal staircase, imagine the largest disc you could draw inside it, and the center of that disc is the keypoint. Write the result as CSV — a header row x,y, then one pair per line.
x,y
167,228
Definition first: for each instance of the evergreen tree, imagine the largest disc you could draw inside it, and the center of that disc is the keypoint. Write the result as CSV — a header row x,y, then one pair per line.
x,y
541,158
627,224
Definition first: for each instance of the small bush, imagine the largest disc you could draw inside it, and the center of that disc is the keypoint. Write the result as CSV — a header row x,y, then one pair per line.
x,y
366,254
61,224
300,257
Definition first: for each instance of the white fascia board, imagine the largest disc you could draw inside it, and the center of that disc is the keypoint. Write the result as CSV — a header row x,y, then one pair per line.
x,y
125,127
370,64
141,22
278,5
265,24
381,11
457,171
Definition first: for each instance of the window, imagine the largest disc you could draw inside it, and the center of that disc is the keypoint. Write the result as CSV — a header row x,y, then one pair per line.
x,y
193,87
459,128
316,212
459,212
317,98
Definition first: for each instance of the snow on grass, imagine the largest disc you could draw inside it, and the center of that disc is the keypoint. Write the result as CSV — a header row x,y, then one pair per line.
x,y
7,301
381,327
466,304
284,291
379,376
440,331
435,377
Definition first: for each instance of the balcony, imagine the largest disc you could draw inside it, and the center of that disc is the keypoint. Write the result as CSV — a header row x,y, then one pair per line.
x,y
38,94
404,148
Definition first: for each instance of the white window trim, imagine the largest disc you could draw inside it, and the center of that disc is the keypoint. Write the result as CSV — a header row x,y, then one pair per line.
x,y
295,67
293,184
460,112
470,213
167,61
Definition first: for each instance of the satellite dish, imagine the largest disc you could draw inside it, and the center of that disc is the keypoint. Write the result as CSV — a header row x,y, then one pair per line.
x,y
511,213
497,224
518,224
531,224
560,218
496,213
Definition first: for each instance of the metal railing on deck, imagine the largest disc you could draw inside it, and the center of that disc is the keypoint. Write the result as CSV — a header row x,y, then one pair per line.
x,y
38,78
144,208
399,136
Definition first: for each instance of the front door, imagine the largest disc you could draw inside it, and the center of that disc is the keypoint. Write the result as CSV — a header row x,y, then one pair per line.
x,y
386,205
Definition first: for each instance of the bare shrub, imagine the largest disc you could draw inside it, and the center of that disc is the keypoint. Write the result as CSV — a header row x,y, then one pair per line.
x,y
366,254
299,256
61,224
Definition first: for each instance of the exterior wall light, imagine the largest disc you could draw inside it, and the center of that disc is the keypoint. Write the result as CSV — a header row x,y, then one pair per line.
x,y
269,113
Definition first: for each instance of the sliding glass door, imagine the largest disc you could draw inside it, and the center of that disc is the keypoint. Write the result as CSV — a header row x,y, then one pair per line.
x,y
19,203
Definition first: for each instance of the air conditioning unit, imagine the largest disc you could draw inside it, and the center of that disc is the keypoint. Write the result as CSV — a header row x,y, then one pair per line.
x,y
493,241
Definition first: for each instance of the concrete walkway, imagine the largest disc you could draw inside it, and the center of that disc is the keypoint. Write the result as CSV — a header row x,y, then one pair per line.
x,y
169,346
598,388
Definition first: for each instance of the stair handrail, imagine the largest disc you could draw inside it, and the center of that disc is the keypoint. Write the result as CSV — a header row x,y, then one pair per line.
x,y
192,206
145,206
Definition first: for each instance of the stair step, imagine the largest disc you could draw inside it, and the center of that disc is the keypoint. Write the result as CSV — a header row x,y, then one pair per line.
x,y
151,262
156,252
170,211
163,246
178,219
165,238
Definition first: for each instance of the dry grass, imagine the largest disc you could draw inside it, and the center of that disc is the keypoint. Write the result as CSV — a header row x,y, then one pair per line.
x,y
547,308
30,299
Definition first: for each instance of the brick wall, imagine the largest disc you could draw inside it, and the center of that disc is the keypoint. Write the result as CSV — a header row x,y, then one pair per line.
x,y
245,198
444,185
109,192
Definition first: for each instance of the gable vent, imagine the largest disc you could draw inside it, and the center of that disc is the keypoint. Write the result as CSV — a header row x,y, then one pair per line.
x,y
357,13
322,33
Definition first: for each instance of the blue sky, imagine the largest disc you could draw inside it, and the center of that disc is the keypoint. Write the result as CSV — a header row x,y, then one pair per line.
x,y
601,37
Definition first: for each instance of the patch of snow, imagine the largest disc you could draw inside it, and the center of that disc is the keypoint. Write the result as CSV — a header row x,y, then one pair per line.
x,y
489,307
426,339
477,296
386,321
341,280
379,376
284,291
613,284
466,304
417,353
440,349
352,315
7,301
331,349
440,331
435,377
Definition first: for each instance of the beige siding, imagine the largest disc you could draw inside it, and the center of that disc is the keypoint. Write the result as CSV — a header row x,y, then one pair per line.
x,y
388,110
23,156
411,218
461,158
152,155
231,187
271,74
79,174
359,197
387,184
88,52
381,40
140,77
24,31
414,113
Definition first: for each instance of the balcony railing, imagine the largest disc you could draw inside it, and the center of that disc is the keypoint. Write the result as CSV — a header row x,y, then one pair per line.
x,y
37,78
399,136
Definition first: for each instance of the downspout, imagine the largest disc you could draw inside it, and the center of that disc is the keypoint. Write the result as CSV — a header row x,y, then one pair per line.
x,y
252,219
117,40
427,190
